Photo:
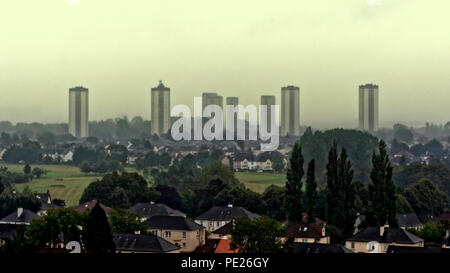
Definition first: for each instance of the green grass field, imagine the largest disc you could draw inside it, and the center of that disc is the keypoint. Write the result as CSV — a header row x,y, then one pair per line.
x,y
258,182
68,182
63,182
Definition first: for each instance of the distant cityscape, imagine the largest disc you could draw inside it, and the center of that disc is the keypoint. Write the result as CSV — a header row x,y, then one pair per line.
x,y
162,120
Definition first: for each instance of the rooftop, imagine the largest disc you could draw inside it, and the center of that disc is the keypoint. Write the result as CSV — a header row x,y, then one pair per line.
x,y
142,243
172,223
226,214
390,235
19,217
149,210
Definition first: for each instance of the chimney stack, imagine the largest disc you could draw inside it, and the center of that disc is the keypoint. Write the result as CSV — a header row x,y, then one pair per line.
x,y
230,205
383,229
19,212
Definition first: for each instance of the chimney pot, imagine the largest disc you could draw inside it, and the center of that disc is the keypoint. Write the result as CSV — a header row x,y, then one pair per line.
x,y
19,212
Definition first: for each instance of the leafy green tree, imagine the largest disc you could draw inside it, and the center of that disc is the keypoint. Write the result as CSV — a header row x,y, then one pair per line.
x,y
341,198
47,230
124,221
10,201
259,236
242,197
27,169
425,197
38,172
431,232
85,167
311,192
120,190
403,133
97,236
273,199
278,164
293,193
382,192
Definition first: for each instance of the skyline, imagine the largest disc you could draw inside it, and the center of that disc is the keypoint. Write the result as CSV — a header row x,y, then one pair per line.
x,y
236,49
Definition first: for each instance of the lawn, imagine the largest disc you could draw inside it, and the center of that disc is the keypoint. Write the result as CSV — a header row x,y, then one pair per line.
x,y
258,182
63,182
68,182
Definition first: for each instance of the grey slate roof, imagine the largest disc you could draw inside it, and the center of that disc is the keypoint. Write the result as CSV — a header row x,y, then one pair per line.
x,y
320,248
390,235
142,243
17,218
226,214
172,223
408,220
149,210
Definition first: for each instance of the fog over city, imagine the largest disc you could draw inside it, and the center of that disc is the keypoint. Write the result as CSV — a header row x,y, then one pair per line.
x,y
121,49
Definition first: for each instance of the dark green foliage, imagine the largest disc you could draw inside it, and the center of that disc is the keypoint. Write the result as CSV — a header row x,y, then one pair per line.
x,y
38,172
359,146
125,221
293,193
119,190
259,236
434,147
311,192
382,192
29,152
435,171
432,233
273,198
27,169
169,196
425,197
10,201
47,230
241,197
403,133
97,237
341,200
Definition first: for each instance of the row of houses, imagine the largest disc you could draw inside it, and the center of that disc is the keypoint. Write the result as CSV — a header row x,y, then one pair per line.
x,y
170,231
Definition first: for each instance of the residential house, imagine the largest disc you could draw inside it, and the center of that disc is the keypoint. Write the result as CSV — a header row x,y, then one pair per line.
x,y
216,246
446,241
88,206
224,232
305,232
217,217
178,230
19,217
377,239
46,203
137,243
244,161
302,248
409,220
148,210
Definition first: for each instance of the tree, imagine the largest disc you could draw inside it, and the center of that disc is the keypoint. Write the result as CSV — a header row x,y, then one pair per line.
x,y
259,236
311,192
120,190
278,164
38,172
402,133
27,169
382,195
124,221
341,200
97,236
47,230
293,193
431,232
85,167
425,197
273,199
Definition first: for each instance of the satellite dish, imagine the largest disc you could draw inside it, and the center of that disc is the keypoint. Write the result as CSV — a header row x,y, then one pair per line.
x,y
74,246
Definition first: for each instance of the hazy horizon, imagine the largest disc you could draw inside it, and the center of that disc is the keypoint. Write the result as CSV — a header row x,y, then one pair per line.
x,y
120,49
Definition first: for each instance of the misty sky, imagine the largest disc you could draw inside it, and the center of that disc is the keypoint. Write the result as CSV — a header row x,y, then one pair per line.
x,y
246,48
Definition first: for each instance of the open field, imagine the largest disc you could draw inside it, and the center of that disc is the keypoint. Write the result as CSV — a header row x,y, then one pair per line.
x,y
258,182
63,182
68,182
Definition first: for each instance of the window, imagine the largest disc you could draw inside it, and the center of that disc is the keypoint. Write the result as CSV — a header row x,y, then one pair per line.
x,y
184,245
353,245
167,234
184,234
217,224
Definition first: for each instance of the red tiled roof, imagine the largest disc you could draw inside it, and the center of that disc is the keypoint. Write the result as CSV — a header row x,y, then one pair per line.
x,y
224,247
87,207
